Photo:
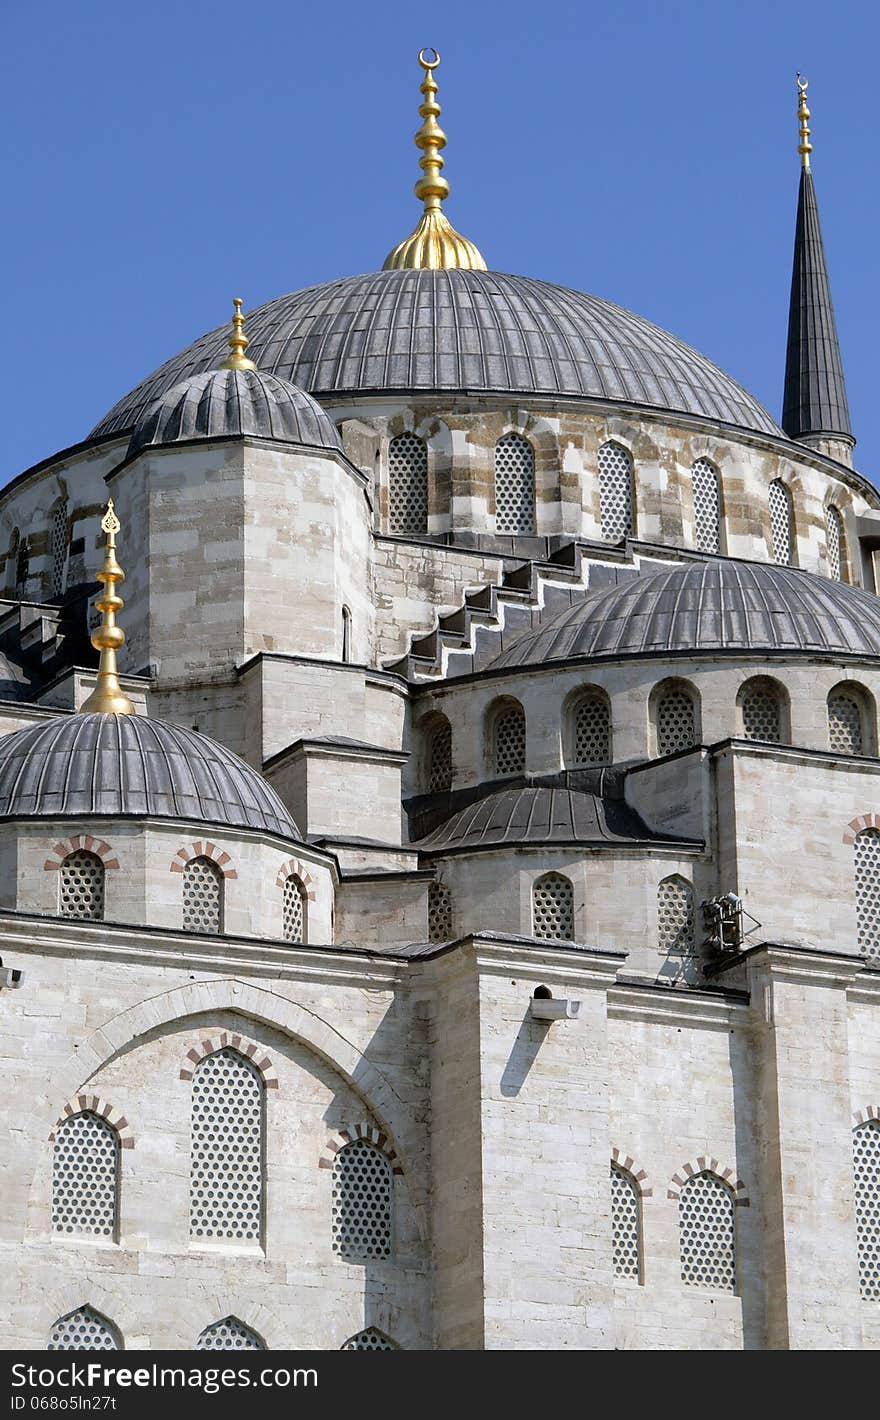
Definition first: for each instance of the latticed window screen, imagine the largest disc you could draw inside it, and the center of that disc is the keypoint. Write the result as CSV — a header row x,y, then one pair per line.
x,y
12,559
440,758
867,873
230,1334
615,492
592,730
845,723
293,912
866,1179
834,543
226,1190
59,547
675,916
780,521
707,1233
514,485
707,506
22,560
626,1224
553,907
676,722
369,1340
81,888
761,712
439,912
83,1330
510,741
85,1176
408,484
202,896
362,1199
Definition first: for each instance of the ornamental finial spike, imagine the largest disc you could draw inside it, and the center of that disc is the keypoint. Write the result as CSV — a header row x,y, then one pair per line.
x,y
238,342
435,243
805,147
108,698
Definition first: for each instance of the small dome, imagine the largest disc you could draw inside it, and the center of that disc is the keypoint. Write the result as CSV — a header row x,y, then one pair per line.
x,y
92,766
221,404
540,814
707,607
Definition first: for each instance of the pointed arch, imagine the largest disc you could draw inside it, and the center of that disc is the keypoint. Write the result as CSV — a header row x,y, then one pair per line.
x,y
407,485
616,499
514,485
227,1181
229,1334
553,907
706,484
781,523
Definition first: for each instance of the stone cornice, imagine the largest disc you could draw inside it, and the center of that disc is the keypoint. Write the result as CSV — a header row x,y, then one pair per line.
x,y
691,1007
789,962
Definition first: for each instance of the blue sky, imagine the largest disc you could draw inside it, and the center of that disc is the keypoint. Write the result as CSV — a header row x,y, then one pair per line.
x,y
162,158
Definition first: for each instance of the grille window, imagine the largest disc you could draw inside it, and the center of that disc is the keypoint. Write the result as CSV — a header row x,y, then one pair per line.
x,y
510,742
553,907
369,1340
707,506
230,1334
780,522
439,913
82,886
362,1197
592,730
12,559
675,916
762,712
440,758
845,723
226,1194
22,560
202,896
514,485
834,543
294,910
867,873
676,721
615,492
59,547
866,1179
707,1233
83,1330
626,1224
85,1177
408,485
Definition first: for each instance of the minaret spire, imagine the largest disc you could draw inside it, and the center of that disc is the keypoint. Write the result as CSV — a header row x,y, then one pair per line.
x,y
108,697
815,410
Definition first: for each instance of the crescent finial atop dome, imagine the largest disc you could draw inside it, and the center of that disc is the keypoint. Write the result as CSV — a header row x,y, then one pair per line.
x,y
238,342
435,244
108,697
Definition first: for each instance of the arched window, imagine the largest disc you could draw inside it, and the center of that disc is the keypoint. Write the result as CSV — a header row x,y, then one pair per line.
x,y
762,710
439,913
553,907
346,635
230,1334
22,567
58,545
294,912
626,1224
707,506
866,1181
835,543
226,1186
615,492
846,720
202,896
438,756
675,916
674,718
362,1202
408,485
591,729
707,1233
84,1330
12,561
509,740
85,1177
370,1340
81,886
867,874
780,522
514,485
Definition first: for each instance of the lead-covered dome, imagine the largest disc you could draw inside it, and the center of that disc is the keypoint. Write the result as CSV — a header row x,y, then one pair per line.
x,y
464,332
718,607
90,766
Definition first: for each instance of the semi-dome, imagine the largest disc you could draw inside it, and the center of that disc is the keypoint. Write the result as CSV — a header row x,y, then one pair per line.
x,y
222,403
464,332
711,606
89,766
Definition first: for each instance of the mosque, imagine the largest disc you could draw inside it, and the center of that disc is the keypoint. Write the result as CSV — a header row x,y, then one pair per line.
x,y
441,908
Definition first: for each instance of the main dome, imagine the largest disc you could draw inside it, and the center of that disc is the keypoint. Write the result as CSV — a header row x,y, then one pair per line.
x,y
478,332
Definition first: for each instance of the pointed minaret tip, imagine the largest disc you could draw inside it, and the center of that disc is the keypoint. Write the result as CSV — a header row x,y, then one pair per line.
x,y
238,342
805,147
108,697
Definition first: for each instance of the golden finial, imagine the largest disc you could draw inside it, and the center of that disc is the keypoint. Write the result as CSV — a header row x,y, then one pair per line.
x,y
805,147
108,698
435,243
238,342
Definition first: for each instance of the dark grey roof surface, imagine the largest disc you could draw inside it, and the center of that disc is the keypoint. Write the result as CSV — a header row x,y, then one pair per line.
x,y
540,815
814,400
94,765
711,606
219,403
477,331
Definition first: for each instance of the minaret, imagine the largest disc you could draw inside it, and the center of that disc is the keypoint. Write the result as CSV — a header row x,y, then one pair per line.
x,y
814,406
435,243
108,697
